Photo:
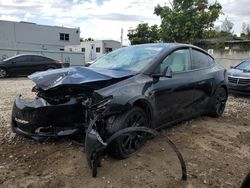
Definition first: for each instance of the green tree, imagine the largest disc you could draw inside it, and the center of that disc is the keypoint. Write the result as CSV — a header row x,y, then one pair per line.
x,y
144,34
187,20
245,30
227,26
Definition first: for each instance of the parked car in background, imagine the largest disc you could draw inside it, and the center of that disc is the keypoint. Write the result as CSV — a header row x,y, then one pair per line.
x,y
26,64
150,85
239,78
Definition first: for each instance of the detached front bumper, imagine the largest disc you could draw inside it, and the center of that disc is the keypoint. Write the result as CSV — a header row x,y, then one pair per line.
x,y
95,146
37,118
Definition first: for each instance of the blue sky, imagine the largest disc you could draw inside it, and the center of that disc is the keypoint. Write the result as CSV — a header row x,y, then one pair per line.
x,y
103,19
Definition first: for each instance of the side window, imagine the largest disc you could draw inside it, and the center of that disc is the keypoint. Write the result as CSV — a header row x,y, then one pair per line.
x,y
37,59
23,59
210,60
200,60
178,61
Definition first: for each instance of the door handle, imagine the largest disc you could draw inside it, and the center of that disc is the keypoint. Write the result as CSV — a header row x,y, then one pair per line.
x,y
13,62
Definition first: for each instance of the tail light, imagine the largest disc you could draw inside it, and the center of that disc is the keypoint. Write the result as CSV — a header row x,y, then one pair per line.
x,y
58,62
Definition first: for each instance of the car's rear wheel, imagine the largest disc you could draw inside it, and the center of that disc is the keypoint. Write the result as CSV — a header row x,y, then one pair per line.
x,y
218,103
3,73
127,144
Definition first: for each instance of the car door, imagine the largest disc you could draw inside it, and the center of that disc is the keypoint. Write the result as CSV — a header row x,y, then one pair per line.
x,y
18,65
204,69
39,64
26,64
173,97
11,66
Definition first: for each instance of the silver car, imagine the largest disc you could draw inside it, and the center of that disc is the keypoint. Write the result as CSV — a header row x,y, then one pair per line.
x,y
239,78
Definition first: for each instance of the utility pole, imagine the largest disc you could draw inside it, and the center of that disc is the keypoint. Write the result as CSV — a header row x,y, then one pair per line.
x,y
121,37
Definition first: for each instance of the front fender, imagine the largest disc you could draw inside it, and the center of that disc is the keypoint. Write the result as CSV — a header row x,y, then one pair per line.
x,y
144,103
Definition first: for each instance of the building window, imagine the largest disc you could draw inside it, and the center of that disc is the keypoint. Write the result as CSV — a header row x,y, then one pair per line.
x,y
61,49
107,50
98,50
64,36
83,49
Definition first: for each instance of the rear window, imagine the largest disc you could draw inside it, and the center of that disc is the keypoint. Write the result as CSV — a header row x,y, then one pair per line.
x,y
39,59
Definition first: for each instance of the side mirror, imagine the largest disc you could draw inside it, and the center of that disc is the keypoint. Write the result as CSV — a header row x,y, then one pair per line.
x,y
168,73
232,66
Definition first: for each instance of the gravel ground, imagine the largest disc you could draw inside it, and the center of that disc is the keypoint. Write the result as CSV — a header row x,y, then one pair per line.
x,y
217,153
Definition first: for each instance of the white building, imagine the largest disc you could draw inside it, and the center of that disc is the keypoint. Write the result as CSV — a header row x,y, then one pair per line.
x,y
25,35
94,49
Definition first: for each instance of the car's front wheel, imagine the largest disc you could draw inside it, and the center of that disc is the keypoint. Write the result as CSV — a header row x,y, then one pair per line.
x,y
127,144
218,103
3,73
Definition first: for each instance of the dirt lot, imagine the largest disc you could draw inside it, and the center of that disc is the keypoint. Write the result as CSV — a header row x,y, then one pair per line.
x,y
217,153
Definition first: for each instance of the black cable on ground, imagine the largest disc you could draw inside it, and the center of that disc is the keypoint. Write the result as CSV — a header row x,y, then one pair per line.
x,y
154,133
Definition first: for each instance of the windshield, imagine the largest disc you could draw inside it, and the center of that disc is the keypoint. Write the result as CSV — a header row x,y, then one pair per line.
x,y
7,59
245,65
134,58
12,57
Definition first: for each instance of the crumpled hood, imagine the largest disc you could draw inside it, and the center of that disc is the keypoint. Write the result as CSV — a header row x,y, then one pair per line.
x,y
238,73
75,75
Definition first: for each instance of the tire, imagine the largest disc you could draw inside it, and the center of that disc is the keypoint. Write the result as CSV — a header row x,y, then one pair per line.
x,y
3,73
125,145
218,103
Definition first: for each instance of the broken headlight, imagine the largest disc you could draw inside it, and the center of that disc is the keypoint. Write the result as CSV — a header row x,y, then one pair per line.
x,y
101,105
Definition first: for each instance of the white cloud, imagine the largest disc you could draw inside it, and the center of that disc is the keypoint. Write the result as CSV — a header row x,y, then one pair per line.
x,y
10,18
105,20
97,21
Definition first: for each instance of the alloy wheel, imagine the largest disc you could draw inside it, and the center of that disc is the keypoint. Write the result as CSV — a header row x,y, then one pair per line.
x,y
3,73
133,141
221,102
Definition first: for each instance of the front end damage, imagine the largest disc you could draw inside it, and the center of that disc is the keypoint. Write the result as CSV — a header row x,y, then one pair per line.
x,y
97,140
38,119
74,107
62,98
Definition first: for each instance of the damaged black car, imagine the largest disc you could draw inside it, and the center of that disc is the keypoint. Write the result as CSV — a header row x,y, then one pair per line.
x,y
150,85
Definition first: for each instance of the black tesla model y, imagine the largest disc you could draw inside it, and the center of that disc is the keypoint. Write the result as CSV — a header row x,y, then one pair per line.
x,y
150,85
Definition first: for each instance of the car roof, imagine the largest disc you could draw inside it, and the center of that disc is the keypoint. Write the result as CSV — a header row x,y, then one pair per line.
x,y
171,44
174,45
20,55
